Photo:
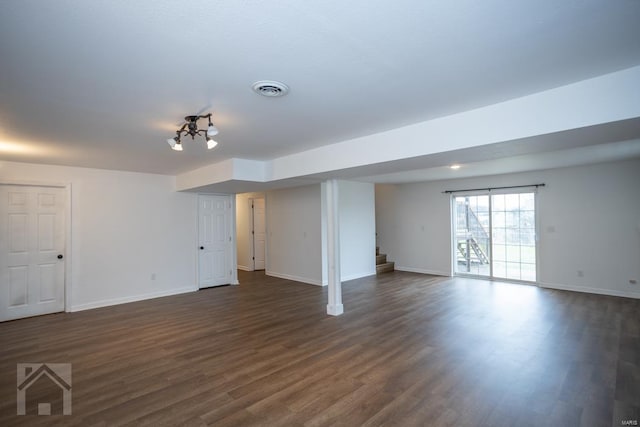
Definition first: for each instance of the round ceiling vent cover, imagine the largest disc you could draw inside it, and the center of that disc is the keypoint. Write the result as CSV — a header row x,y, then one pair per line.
x,y
270,88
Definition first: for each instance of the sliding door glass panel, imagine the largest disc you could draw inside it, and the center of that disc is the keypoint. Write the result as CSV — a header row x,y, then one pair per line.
x,y
472,238
513,233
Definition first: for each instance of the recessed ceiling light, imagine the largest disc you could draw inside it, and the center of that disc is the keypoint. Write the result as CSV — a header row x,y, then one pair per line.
x,y
270,88
455,166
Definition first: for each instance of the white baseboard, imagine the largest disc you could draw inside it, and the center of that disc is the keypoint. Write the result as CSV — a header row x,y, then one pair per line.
x,y
423,271
295,278
134,298
244,268
358,275
599,291
335,310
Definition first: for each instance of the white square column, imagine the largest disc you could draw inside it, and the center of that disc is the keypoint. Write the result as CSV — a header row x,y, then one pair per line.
x,y
334,306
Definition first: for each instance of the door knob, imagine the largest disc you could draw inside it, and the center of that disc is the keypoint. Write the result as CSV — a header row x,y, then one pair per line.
x,y
201,247
60,256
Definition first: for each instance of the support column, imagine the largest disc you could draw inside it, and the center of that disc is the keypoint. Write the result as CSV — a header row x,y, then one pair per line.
x,y
334,306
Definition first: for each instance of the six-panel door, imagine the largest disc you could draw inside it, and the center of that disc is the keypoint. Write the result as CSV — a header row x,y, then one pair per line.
x,y
32,240
214,216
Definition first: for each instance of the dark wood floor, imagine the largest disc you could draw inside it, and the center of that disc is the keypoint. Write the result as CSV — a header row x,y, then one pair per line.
x,y
410,350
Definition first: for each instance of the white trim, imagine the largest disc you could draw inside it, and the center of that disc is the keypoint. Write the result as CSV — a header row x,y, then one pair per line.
x,y
196,244
423,271
134,298
251,231
267,237
358,276
233,240
68,301
244,268
251,234
335,310
294,278
598,291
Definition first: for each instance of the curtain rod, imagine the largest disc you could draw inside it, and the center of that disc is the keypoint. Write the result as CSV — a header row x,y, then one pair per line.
x,y
493,188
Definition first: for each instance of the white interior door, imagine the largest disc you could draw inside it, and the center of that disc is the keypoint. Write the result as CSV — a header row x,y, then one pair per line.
x,y
259,234
214,230
32,248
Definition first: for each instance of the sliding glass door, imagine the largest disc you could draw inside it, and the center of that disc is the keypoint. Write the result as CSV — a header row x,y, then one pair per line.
x,y
513,233
495,235
472,239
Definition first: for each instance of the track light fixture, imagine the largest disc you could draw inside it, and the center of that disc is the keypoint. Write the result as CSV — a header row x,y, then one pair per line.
x,y
190,127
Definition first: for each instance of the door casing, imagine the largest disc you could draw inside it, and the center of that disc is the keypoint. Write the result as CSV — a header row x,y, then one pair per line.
x,y
253,235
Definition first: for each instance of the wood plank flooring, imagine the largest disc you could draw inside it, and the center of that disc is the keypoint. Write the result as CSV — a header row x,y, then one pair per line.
x,y
410,350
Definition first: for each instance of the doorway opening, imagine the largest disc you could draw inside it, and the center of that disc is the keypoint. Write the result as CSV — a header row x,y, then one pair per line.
x,y
494,235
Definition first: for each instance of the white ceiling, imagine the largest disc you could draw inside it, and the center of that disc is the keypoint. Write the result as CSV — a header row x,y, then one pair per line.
x,y
105,83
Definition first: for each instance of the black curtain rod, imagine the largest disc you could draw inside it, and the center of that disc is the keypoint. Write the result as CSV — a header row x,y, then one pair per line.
x,y
492,188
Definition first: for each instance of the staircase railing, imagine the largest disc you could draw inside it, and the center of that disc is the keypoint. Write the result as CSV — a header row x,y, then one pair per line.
x,y
473,243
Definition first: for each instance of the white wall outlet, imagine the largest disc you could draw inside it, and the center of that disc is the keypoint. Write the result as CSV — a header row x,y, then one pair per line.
x,y
153,276
580,273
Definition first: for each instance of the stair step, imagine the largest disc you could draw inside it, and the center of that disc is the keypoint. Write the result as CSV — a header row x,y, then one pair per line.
x,y
384,268
381,259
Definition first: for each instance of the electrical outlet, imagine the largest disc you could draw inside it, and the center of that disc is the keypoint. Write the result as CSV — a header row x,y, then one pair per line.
x,y
580,273
153,276
633,282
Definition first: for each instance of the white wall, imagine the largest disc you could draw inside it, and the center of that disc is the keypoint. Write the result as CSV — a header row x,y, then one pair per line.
x,y
294,239
356,209
589,220
412,223
243,229
125,227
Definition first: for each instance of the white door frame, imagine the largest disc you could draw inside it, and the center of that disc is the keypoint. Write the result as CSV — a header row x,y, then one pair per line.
x,y
252,240
67,232
250,234
452,239
233,256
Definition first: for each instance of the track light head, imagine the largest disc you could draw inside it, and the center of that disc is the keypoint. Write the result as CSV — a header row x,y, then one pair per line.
x,y
190,128
211,143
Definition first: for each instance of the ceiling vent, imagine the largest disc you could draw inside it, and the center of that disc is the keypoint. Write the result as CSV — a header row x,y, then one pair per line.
x,y
270,88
